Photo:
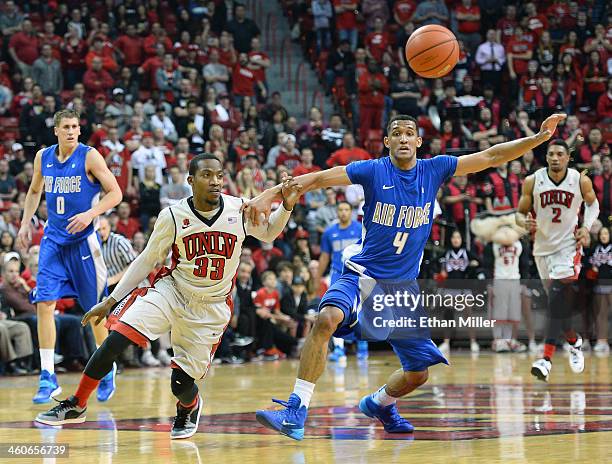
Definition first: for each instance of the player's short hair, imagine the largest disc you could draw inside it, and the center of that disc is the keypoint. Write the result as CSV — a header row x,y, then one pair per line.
x,y
561,143
65,114
401,117
193,164
344,202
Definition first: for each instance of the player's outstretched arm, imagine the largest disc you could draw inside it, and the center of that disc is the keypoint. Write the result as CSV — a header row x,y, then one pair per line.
x,y
523,214
503,152
267,232
32,201
260,206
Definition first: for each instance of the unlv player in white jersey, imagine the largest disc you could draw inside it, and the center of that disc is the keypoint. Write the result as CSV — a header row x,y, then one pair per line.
x,y
556,195
191,298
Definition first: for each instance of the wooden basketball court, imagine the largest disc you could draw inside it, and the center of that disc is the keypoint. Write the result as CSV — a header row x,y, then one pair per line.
x,y
482,409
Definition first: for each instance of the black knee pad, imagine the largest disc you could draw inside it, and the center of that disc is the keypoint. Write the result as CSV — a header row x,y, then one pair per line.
x,y
181,382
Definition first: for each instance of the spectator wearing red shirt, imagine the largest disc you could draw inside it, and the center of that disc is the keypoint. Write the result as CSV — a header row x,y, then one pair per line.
x,y
604,104
288,155
468,24
48,36
595,78
98,50
130,46
118,160
403,11
23,47
506,25
378,41
240,149
244,81
537,23
227,52
346,20
348,153
258,61
126,225
157,37
572,47
373,87
519,50
305,166
266,257
502,189
599,43
460,196
150,66
97,80
595,146
226,116
74,50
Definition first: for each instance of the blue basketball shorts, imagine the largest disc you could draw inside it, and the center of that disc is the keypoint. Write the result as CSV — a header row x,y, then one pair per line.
x,y
76,270
414,348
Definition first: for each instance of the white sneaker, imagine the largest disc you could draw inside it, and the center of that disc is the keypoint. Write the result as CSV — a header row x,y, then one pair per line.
x,y
541,369
576,356
517,347
444,347
164,357
149,360
601,348
533,347
474,348
500,346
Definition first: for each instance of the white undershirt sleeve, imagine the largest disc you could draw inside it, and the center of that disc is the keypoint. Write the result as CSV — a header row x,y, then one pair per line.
x,y
157,249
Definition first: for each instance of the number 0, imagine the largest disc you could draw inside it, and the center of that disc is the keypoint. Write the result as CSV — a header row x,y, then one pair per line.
x,y
60,205
400,241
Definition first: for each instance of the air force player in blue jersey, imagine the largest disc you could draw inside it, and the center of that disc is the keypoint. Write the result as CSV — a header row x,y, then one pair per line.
x,y
400,191
71,175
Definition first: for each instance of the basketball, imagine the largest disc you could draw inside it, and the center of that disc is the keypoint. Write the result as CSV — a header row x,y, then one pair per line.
x,y
432,51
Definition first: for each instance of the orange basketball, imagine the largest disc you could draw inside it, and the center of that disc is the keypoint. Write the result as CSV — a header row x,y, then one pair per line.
x,y
432,51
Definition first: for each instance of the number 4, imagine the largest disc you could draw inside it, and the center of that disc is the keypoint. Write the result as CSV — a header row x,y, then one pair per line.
x,y
400,241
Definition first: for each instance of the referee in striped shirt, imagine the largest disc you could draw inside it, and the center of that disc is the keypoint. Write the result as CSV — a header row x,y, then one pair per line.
x,y
117,252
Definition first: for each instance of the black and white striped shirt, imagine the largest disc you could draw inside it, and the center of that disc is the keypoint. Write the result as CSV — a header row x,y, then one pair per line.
x,y
118,253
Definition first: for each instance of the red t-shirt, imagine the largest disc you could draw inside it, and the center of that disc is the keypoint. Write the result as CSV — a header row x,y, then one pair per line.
x,y
26,47
131,47
291,160
267,299
151,65
243,81
346,19
377,43
344,156
538,24
128,230
404,9
468,27
519,46
260,74
506,26
118,165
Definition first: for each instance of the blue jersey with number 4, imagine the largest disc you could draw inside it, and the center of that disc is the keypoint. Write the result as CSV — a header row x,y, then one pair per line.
x,y
398,214
68,192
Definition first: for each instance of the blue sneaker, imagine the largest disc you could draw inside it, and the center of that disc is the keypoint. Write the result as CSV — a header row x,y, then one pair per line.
x,y
288,421
337,355
106,387
47,388
362,349
387,415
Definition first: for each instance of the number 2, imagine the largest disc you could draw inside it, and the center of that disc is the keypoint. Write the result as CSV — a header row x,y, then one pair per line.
x,y
400,241
557,215
60,205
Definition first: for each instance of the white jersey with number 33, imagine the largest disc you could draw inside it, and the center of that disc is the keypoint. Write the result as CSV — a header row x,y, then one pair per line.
x,y
557,207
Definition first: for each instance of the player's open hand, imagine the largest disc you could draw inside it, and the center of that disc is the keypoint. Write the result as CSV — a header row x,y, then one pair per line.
x,y
583,238
549,126
530,223
98,312
24,236
290,190
79,222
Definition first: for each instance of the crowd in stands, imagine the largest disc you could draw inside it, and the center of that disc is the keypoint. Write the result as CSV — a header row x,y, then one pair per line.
x,y
157,82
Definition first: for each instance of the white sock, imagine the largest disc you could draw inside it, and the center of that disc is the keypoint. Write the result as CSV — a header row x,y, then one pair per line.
x,y
507,331
304,390
381,397
47,360
338,342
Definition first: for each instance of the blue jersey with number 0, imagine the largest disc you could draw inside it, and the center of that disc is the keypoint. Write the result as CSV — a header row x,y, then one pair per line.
x,y
68,192
398,214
